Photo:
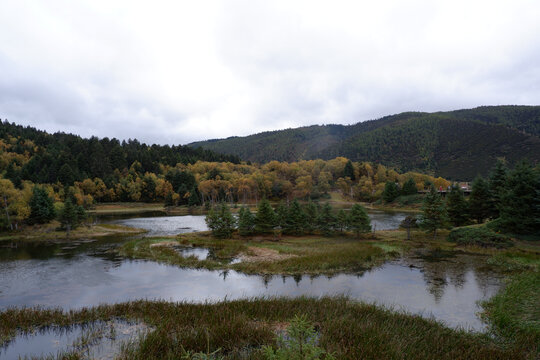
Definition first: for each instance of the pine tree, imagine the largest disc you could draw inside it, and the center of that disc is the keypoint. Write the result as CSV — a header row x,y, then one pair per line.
x,y
71,215
480,203
41,206
457,207
520,203
348,171
296,219
359,221
246,221
194,199
221,222
312,213
65,175
391,191
409,188
497,186
326,220
342,220
281,214
434,214
265,220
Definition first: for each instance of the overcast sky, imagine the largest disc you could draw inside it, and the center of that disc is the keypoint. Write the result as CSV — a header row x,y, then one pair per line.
x,y
179,71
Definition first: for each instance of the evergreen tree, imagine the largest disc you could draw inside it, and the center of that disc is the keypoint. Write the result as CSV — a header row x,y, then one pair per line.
x,y
391,191
71,215
41,206
312,213
457,207
246,221
480,204
348,171
342,220
433,212
65,175
409,188
194,198
359,221
221,222
281,214
265,220
296,219
326,220
497,186
520,203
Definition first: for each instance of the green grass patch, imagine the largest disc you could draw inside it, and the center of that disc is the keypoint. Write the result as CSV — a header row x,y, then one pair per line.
x,y
514,312
479,236
263,255
239,329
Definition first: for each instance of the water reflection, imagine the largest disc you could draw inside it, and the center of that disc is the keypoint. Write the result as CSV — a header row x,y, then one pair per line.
x,y
88,272
172,225
447,290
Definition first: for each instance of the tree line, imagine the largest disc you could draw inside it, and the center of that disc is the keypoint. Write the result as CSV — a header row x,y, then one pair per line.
x,y
508,197
293,219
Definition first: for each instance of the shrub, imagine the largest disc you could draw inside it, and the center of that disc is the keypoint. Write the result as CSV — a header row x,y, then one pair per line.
x,y
480,236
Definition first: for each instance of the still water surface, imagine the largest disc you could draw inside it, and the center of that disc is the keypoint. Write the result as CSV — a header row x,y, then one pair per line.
x,y
87,273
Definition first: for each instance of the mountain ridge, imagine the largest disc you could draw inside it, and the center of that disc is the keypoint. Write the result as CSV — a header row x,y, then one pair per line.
x,y
458,144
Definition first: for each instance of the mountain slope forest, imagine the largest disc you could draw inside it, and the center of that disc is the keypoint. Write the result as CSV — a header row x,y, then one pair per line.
x,y
456,144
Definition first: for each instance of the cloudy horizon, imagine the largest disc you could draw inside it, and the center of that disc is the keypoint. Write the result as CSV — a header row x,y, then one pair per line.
x,y
174,73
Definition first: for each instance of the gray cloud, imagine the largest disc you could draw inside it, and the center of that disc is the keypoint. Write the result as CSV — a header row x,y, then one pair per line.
x,y
175,73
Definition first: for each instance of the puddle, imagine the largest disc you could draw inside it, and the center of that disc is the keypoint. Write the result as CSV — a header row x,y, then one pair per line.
x,y
97,340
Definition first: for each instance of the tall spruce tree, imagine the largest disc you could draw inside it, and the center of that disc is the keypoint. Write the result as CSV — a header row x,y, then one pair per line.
x,y
312,213
296,219
497,186
326,220
246,221
480,202
41,206
391,191
342,220
359,221
265,220
69,217
348,171
281,214
409,188
520,203
434,215
457,207
221,221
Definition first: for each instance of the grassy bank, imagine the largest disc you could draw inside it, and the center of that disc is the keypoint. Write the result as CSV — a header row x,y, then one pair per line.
x,y
238,329
265,255
125,208
50,231
514,312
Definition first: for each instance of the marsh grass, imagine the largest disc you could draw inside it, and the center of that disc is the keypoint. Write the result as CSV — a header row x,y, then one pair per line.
x,y
239,329
303,255
514,312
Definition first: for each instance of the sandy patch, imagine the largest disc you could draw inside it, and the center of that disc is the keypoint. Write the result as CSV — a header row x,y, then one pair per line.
x,y
256,254
164,244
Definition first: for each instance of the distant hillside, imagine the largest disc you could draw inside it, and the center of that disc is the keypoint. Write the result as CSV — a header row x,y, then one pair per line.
x,y
47,158
457,144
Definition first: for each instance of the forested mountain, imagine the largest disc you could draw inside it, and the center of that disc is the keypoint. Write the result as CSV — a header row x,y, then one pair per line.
x,y
457,144
31,154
